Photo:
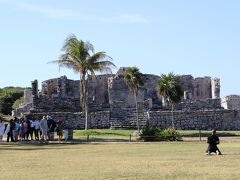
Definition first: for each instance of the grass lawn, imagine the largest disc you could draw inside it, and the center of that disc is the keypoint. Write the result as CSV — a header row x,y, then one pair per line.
x,y
160,160
104,135
100,135
207,133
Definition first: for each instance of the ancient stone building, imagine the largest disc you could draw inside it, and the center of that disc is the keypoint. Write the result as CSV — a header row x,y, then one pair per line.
x,y
231,102
111,103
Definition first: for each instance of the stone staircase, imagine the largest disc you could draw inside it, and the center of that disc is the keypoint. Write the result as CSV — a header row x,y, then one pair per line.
x,y
126,119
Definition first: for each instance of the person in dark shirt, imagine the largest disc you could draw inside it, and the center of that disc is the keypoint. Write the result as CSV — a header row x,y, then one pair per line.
x,y
51,127
9,130
212,141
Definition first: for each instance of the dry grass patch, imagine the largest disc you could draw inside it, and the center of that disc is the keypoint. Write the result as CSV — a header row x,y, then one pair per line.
x,y
164,160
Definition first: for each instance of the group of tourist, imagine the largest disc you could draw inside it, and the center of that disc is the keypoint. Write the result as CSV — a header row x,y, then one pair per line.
x,y
31,129
43,130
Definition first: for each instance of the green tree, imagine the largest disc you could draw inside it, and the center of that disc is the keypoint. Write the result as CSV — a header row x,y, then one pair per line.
x,y
17,103
169,88
81,58
8,96
134,81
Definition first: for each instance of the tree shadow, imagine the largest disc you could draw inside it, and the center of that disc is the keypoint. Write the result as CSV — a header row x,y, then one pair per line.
x,y
30,146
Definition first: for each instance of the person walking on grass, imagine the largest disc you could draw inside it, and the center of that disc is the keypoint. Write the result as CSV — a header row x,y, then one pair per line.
x,y
213,141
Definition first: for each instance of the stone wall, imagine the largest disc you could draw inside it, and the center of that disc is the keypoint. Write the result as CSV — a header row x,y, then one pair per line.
x,y
98,97
200,88
62,94
231,102
45,104
112,104
126,119
70,120
118,90
61,88
207,104
58,95
190,120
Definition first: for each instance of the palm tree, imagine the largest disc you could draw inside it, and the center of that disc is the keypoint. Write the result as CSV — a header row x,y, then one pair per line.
x,y
81,58
169,88
134,81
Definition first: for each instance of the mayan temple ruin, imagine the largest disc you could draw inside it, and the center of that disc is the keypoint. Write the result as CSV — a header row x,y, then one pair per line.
x,y
111,103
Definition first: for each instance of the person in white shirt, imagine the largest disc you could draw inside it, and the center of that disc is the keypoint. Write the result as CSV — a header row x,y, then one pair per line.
x,y
2,128
44,128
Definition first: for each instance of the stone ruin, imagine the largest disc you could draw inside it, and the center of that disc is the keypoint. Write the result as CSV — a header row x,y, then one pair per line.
x,y
111,103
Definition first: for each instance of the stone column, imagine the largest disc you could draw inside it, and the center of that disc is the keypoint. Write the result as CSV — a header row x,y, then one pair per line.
x,y
28,96
185,95
215,83
35,88
62,86
164,102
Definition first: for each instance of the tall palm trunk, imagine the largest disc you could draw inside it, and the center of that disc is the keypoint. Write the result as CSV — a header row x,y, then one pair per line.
x,y
86,105
84,99
173,126
135,96
81,93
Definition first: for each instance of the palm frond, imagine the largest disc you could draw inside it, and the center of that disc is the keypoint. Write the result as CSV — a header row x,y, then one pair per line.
x,y
133,78
79,56
89,47
168,87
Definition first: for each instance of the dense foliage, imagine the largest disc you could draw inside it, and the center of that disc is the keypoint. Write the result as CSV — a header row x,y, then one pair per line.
x,y
17,103
2,118
156,134
8,96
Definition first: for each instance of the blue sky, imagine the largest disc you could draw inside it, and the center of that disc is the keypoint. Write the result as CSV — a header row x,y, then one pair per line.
x,y
201,38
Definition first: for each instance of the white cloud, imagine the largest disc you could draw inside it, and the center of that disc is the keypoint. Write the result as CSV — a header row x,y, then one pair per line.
x,y
46,11
133,18
58,13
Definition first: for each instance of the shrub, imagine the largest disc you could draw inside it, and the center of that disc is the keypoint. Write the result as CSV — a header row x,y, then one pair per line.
x,y
171,135
149,133
156,134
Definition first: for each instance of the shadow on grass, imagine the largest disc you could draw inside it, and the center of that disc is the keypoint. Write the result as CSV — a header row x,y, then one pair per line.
x,y
34,146
96,133
98,139
229,154
208,134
